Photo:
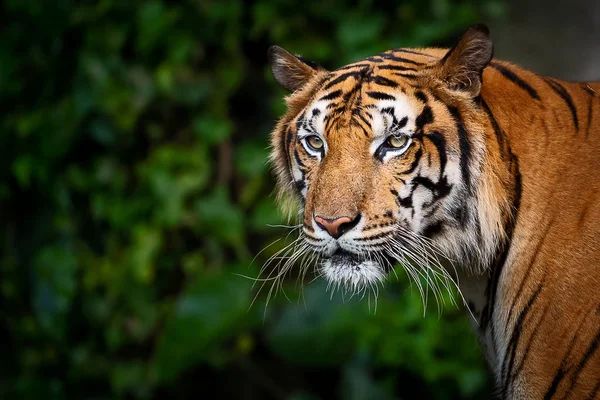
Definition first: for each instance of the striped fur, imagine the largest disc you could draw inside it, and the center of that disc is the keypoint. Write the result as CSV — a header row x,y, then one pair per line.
x,y
499,174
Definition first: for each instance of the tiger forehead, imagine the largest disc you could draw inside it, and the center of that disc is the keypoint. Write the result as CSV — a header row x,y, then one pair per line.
x,y
362,104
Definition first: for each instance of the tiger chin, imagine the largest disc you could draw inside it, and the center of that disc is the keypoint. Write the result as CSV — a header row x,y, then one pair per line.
x,y
457,166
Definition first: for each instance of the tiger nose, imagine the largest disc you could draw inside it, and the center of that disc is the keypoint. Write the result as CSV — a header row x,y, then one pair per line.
x,y
337,226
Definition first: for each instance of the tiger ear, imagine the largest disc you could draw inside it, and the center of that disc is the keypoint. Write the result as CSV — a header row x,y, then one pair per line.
x,y
462,66
290,71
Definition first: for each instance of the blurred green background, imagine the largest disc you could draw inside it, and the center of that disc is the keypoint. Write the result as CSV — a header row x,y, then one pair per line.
x,y
135,191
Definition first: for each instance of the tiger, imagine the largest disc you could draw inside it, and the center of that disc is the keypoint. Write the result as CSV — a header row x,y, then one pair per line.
x,y
453,155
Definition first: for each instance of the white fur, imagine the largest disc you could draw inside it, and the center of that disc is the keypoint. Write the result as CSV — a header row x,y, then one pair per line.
x,y
353,277
402,108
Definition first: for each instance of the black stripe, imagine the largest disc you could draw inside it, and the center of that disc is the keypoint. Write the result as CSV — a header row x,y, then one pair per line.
x,y
375,59
432,229
589,118
536,253
562,92
562,369
300,122
532,337
380,80
439,189
311,121
460,214
492,288
439,141
465,148
407,76
560,374
301,165
405,202
299,186
332,95
392,57
513,343
285,141
508,74
380,96
500,262
356,112
351,66
502,253
351,93
344,105
518,189
415,162
357,123
397,68
414,52
397,125
425,182
343,77
594,392
581,364
425,118
588,89
328,122
421,96
498,132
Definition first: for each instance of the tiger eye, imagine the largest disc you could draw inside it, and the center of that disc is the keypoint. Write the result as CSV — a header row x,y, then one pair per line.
x,y
397,141
315,142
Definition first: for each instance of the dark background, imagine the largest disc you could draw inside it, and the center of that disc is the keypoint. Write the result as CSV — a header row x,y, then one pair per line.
x,y
134,193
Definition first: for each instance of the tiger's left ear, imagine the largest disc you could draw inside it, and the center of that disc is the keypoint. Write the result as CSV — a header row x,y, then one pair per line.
x,y
461,67
290,71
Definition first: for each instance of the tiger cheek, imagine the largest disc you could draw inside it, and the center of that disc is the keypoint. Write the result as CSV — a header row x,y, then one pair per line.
x,y
379,203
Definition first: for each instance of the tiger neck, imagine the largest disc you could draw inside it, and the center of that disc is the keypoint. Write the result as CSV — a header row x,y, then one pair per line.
x,y
527,129
480,287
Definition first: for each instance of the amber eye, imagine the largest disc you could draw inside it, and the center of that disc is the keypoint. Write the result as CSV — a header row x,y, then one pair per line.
x,y
396,145
314,142
397,142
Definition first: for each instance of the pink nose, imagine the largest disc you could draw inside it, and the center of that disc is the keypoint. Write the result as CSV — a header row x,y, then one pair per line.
x,y
337,226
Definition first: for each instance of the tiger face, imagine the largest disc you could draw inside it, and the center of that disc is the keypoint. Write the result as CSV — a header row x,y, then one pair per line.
x,y
387,156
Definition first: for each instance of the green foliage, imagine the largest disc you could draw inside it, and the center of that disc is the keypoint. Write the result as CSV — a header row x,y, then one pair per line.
x,y
209,311
135,192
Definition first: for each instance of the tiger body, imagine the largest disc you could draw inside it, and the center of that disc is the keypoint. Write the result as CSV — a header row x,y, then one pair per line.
x,y
494,166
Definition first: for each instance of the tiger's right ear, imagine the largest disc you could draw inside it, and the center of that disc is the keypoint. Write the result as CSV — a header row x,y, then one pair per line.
x,y
461,68
290,71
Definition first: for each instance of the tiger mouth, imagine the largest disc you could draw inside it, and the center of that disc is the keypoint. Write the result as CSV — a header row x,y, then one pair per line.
x,y
345,257
352,270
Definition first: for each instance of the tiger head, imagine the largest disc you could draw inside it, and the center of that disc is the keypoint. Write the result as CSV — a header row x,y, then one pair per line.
x,y
391,159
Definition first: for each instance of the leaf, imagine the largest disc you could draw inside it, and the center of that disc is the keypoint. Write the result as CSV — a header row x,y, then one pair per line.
x,y
251,158
146,245
320,332
219,215
357,384
54,288
212,310
265,214
211,129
